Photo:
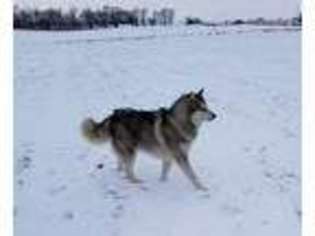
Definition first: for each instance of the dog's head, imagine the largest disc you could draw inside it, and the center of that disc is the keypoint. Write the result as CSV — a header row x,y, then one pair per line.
x,y
197,108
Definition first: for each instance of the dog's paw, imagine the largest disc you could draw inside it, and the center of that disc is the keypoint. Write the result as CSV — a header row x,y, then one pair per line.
x,y
201,187
135,180
163,179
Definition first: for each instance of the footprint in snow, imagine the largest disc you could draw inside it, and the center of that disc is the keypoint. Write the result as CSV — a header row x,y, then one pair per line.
x,y
57,190
15,211
118,211
23,163
29,150
118,200
263,149
247,149
288,133
114,194
81,157
20,183
232,210
68,215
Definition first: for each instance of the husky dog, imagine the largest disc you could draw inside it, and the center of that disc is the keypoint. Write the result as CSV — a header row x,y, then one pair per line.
x,y
167,133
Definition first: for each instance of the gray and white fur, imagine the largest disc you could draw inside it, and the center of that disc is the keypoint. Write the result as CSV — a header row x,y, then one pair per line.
x,y
167,133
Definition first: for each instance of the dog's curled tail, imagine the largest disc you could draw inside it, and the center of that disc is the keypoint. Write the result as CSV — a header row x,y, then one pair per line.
x,y
94,132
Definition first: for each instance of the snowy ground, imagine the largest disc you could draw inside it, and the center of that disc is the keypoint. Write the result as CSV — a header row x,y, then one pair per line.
x,y
249,157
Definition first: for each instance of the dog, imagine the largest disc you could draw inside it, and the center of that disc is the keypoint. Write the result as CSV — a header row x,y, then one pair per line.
x,y
167,133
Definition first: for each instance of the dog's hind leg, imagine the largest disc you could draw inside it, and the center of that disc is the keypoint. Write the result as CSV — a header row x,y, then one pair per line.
x,y
126,160
129,167
120,164
166,167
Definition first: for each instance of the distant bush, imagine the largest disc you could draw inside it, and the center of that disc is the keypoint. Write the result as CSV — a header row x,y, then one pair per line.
x,y
193,21
238,22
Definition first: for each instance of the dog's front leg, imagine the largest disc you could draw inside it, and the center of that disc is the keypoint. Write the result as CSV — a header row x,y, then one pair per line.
x,y
166,167
184,164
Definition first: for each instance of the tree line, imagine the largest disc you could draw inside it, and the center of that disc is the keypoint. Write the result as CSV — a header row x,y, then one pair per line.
x,y
56,19
293,21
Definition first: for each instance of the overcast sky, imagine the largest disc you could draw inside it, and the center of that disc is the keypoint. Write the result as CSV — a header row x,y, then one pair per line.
x,y
207,9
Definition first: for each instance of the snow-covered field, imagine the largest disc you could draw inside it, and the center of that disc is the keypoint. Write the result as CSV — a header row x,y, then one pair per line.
x,y
249,157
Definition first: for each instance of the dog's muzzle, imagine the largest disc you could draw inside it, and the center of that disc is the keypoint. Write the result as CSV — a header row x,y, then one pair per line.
x,y
211,116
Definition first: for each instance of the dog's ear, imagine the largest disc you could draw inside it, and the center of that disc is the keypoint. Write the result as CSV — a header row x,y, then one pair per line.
x,y
200,92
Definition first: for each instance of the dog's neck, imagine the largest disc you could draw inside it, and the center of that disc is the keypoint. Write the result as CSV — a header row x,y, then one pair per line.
x,y
182,122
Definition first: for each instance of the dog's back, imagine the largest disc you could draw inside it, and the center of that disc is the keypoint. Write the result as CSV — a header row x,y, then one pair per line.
x,y
134,127
131,126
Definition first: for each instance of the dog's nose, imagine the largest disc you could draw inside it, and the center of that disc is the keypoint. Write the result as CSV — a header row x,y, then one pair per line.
x,y
211,116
